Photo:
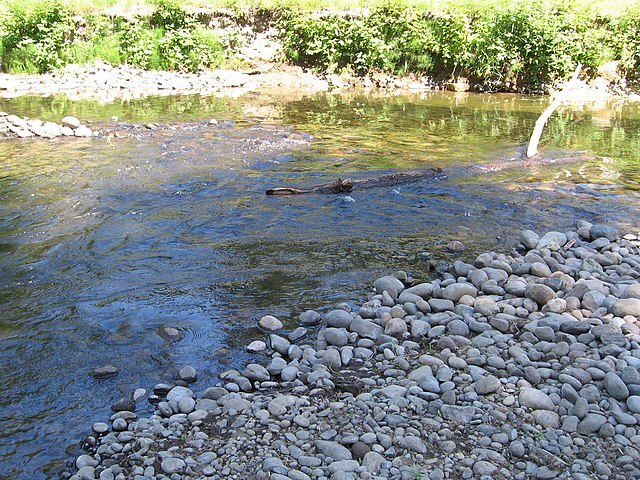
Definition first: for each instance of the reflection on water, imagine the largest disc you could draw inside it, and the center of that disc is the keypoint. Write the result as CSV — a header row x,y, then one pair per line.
x,y
103,242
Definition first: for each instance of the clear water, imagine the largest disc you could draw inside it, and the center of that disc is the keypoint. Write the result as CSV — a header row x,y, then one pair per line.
x,y
103,242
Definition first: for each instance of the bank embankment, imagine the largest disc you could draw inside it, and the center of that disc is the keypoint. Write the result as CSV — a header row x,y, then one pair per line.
x,y
525,47
515,365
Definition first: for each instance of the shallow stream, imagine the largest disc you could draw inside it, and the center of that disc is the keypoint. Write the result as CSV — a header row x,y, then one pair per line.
x,y
104,241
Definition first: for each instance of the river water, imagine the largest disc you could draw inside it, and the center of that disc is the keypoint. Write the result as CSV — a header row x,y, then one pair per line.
x,y
103,242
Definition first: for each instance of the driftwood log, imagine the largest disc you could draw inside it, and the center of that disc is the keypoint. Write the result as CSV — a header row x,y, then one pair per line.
x,y
347,185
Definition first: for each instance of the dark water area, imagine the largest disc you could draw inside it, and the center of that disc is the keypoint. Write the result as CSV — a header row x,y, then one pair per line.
x,y
104,241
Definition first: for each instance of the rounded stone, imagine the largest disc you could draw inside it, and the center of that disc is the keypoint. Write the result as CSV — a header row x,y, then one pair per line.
x,y
541,294
173,465
338,318
535,399
257,346
396,327
627,306
270,323
487,385
70,121
188,374
633,403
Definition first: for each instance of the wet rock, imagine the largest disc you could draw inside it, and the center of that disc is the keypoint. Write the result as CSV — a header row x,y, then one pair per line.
x,y
105,371
124,405
188,374
170,334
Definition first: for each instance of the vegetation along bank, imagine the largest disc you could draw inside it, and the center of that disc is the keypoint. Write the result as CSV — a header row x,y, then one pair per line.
x,y
497,45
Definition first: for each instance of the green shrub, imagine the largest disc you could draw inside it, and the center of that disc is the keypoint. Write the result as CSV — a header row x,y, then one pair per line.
x,y
189,50
628,34
139,45
518,43
168,15
35,36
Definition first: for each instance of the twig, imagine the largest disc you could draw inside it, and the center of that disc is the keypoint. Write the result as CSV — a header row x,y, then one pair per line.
x,y
532,149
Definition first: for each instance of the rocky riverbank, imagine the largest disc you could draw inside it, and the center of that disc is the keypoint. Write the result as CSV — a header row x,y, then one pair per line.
x,y
105,83
521,365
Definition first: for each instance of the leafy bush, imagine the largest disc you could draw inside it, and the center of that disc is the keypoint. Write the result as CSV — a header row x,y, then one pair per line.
x,y
169,15
139,45
190,50
628,35
531,43
35,36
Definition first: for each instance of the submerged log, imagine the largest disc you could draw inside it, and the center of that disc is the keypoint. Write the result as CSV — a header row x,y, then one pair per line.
x,y
347,185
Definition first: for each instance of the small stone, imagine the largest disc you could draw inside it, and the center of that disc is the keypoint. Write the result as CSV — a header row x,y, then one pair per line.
x,y
100,428
615,386
170,334
310,317
456,246
124,405
255,372
334,450
484,468
627,306
373,461
257,346
270,323
335,336
396,327
541,294
390,284
70,121
456,291
552,240
633,403
487,385
338,318
187,374
529,239
535,399
603,231
173,465
591,423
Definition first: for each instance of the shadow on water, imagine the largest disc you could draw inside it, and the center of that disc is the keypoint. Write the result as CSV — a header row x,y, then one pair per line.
x,y
104,242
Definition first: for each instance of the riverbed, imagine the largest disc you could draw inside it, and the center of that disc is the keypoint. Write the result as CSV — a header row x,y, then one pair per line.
x,y
105,241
